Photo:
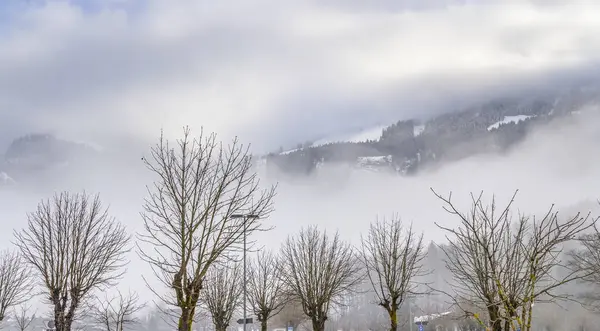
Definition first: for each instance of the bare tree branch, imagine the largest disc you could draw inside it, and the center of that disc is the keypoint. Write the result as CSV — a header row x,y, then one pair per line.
x,y
222,293
200,184
586,259
502,266
266,290
75,247
319,270
16,281
23,318
116,313
393,257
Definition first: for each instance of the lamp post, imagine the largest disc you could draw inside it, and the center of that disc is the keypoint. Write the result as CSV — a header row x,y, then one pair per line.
x,y
410,316
246,217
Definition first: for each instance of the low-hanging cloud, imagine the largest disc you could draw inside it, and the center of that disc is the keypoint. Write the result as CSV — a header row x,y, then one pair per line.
x,y
274,72
555,164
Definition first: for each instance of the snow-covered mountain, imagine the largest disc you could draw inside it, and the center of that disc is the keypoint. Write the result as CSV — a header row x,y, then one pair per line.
x,y
406,146
355,136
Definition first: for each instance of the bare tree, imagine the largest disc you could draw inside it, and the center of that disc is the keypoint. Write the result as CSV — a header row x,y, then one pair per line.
x,y
75,247
587,260
393,257
265,287
319,271
502,266
22,317
200,185
16,281
116,313
221,294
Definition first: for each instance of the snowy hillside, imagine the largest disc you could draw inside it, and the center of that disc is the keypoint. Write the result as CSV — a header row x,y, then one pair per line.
x,y
408,145
509,119
363,135
351,136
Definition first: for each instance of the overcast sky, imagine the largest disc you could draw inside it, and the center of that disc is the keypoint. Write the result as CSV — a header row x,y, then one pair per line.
x,y
275,72
278,72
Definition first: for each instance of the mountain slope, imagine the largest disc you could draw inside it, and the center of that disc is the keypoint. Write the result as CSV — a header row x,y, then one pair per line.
x,y
33,157
409,146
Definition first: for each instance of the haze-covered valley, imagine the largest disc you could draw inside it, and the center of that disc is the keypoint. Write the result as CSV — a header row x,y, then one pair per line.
x,y
355,111
554,163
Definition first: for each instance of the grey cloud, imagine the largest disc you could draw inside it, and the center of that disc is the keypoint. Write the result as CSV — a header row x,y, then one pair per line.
x,y
264,71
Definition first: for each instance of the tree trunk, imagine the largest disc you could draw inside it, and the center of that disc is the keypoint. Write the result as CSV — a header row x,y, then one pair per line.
x,y
58,320
68,324
70,316
59,314
221,326
185,320
495,320
263,325
394,319
318,324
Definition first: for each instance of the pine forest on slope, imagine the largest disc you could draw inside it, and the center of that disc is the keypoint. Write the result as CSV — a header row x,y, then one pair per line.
x,y
409,145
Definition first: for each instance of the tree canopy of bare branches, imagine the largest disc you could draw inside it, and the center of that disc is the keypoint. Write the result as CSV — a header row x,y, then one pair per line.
x,y
393,257
16,281
23,318
502,266
265,287
587,260
116,313
222,293
75,247
201,183
319,271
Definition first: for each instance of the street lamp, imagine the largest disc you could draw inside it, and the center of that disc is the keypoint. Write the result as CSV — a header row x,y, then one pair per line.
x,y
246,217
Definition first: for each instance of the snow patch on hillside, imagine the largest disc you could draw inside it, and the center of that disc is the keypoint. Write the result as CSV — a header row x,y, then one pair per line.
x,y
363,135
508,119
418,129
289,152
366,160
374,163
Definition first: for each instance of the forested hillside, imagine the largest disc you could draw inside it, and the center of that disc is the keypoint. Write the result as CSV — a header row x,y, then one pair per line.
x,y
409,145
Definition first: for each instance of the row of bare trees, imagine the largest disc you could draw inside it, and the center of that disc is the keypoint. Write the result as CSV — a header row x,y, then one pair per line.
x,y
73,249
316,272
192,239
